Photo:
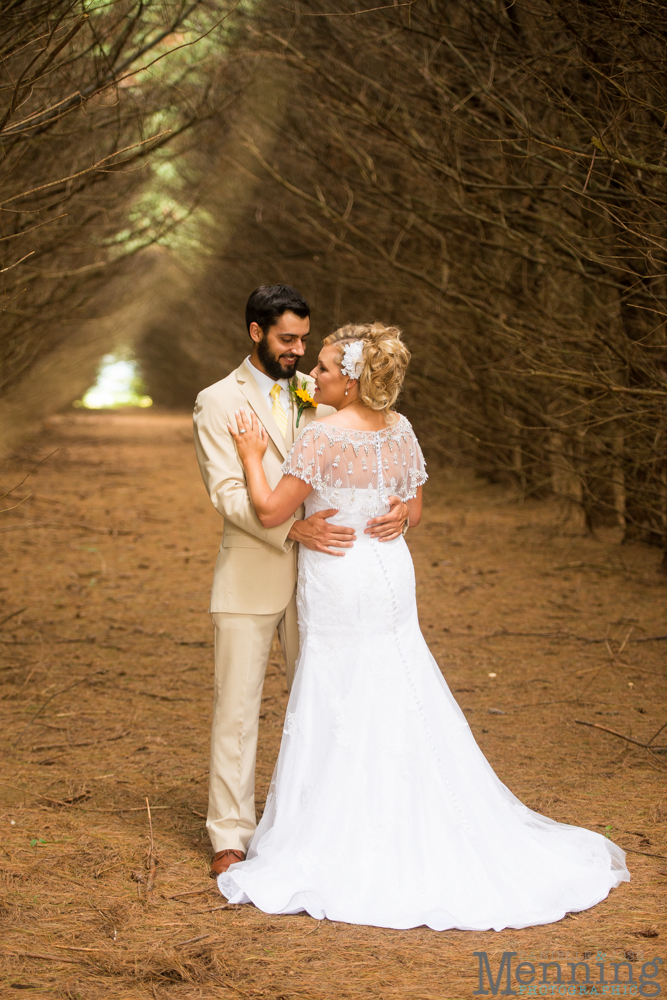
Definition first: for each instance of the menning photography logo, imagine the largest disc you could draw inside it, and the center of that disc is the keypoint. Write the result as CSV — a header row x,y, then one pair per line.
x,y
570,978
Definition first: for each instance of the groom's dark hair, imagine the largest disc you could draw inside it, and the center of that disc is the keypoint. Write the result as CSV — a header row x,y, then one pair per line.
x,y
268,302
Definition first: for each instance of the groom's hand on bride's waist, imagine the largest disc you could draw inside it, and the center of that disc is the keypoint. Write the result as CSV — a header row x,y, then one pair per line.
x,y
390,525
316,533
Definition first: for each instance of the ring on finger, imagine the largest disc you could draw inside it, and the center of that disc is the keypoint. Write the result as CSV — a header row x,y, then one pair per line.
x,y
243,431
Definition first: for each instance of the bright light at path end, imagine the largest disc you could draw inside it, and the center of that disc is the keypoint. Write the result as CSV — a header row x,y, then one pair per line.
x,y
118,384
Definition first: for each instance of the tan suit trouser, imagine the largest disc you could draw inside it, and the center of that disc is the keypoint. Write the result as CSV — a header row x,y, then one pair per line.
x,y
242,648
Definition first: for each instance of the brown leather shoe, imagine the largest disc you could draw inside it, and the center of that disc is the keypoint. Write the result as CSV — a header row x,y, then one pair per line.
x,y
223,859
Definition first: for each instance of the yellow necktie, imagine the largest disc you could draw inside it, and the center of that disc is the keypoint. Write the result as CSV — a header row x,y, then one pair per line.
x,y
278,411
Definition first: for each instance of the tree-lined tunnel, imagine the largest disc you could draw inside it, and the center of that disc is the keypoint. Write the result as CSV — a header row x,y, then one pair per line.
x,y
489,177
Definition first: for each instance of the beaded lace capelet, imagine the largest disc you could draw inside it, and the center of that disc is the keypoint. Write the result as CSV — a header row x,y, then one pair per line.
x,y
358,470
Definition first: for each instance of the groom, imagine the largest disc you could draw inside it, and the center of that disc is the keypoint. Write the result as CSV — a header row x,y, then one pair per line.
x,y
254,581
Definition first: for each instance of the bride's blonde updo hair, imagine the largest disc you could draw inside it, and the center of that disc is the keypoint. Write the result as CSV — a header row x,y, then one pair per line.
x,y
385,359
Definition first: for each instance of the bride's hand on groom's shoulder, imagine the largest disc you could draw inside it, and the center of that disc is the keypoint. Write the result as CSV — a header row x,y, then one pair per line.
x,y
251,438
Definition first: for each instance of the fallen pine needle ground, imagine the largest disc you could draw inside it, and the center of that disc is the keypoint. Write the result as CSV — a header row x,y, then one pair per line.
x,y
106,681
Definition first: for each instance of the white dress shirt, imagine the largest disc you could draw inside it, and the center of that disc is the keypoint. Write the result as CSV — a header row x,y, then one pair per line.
x,y
266,384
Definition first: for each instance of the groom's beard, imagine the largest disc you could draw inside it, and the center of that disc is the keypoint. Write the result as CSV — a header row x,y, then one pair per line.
x,y
273,367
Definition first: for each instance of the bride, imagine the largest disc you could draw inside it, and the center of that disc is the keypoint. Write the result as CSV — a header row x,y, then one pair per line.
x,y
383,809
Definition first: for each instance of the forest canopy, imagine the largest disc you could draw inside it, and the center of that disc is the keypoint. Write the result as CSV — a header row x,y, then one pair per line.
x,y
489,176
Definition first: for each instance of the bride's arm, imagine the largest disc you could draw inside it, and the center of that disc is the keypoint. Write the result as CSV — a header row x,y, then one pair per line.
x,y
272,507
414,509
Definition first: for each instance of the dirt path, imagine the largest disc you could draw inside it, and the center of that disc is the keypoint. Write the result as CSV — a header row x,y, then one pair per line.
x,y
106,684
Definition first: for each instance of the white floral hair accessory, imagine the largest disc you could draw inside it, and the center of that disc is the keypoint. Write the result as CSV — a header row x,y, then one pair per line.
x,y
353,362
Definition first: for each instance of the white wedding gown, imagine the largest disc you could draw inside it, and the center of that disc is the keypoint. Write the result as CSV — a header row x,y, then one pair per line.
x,y
382,809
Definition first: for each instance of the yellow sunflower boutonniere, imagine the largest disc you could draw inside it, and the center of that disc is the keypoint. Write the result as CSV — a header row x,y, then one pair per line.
x,y
301,397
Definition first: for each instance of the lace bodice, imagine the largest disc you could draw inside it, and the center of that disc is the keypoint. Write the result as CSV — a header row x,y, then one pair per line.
x,y
358,470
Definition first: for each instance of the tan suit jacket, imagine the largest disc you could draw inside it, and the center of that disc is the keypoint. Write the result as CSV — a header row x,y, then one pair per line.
x,y
255,572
